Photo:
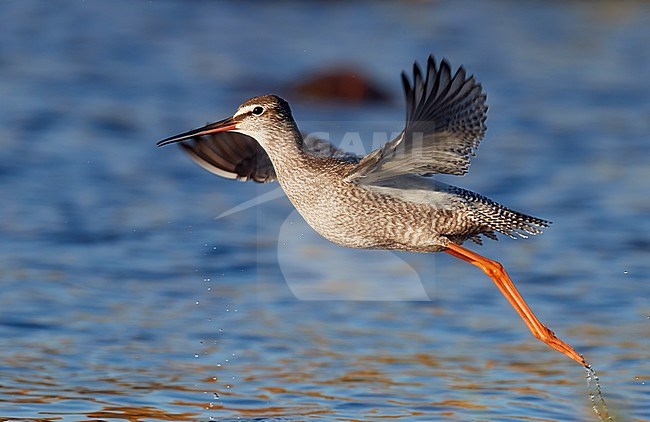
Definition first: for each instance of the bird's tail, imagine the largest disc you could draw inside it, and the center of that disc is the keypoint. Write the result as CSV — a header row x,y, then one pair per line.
x,y
498,218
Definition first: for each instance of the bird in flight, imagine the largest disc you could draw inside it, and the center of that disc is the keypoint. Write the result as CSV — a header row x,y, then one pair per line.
x,y
387,199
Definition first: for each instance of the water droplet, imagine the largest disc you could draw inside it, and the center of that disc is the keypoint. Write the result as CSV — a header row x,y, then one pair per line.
x,y
206,279
228,386
625,272
196,303
196,355
596,395
218,366
216,396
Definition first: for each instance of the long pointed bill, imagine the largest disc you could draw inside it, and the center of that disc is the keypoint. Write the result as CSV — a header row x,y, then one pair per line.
x,y
221,126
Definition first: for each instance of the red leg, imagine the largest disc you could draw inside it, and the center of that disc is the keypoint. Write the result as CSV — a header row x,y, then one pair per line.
x,y
505,285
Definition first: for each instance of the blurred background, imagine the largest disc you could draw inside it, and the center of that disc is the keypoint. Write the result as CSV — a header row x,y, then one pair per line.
x,y
123,298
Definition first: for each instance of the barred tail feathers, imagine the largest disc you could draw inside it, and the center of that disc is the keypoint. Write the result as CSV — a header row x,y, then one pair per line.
x,y
498,218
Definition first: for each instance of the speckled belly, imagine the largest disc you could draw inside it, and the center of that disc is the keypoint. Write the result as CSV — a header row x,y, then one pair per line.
x,y
358,218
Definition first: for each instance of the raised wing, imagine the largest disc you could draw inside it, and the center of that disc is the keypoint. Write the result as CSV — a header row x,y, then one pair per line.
x,y
237,156
445,121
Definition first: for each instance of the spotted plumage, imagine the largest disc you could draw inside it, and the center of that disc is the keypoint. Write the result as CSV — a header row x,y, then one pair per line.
x,y
387,199
349,199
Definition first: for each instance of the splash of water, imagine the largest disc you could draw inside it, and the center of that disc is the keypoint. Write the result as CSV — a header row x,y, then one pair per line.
x,y
596,395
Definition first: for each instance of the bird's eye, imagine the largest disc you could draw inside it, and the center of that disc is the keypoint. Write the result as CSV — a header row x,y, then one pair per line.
x,y
258,110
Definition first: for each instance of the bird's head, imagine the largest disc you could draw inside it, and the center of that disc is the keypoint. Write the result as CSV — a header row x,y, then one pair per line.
x,y
259,118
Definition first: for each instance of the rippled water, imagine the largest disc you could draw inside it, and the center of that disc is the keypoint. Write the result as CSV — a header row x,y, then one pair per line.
x,y
123,298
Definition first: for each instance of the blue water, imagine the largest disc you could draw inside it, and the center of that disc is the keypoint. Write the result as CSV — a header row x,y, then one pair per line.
x,y
122,298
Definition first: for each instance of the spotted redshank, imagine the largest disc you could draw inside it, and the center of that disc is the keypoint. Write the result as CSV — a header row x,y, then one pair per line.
x,y
387,199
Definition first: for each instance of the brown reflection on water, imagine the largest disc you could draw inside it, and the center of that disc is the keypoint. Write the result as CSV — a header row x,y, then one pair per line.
x,y
372,375
96,398
265,391
317,379
139,413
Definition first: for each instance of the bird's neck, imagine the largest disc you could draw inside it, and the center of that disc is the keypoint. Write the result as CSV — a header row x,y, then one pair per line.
x,y
287,154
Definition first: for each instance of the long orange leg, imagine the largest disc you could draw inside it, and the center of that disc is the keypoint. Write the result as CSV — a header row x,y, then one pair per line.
x,y
498,274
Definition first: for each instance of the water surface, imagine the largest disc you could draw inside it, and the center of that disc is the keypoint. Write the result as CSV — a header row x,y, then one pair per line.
x,y
124,299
